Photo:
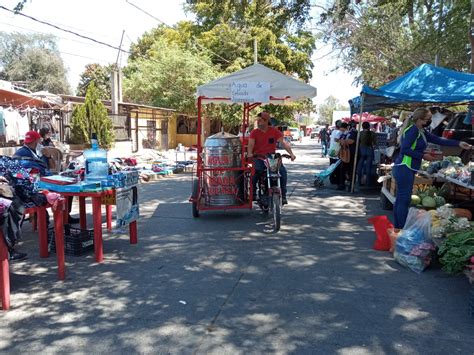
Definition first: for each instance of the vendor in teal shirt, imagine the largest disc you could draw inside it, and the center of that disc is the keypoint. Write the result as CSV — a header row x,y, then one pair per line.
x,y
414,141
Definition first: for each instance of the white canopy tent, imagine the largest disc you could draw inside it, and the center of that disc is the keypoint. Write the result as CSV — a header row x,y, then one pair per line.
x,y
252,86
282,87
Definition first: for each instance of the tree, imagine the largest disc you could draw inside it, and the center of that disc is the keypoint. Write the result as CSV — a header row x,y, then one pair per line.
x,y
91,117
225,31
223,35
34,60
100,75
326,109
403,34
168,78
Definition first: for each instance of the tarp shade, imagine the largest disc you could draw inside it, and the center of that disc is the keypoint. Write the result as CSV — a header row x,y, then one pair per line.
x,y
424,84
366,117
282,87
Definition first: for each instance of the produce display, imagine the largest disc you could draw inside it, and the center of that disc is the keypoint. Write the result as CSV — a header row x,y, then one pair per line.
x,y
450,166
446,220
429,197
457,250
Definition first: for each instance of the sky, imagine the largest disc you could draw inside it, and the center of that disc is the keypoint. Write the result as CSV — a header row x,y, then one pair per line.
x,y
105,20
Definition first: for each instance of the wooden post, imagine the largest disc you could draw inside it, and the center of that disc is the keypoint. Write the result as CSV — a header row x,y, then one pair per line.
x,y
357,143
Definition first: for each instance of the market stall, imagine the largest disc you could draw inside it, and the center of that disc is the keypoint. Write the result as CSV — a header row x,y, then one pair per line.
x,y
423,85
223,175
432,226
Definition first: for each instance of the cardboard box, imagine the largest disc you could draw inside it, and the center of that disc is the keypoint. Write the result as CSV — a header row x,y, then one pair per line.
x,y
419,180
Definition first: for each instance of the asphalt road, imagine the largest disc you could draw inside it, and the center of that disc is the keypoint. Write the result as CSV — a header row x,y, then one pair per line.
x,y
224,284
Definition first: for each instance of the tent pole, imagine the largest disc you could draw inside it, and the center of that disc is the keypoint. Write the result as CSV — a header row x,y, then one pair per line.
x,y
356,156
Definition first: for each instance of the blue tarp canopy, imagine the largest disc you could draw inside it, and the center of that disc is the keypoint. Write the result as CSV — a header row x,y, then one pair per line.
x,y
425,84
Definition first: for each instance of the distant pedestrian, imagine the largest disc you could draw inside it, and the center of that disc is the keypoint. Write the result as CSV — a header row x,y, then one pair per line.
x,y
324,139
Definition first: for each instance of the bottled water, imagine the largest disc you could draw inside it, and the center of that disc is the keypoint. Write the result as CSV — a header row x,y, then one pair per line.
x,y
97,167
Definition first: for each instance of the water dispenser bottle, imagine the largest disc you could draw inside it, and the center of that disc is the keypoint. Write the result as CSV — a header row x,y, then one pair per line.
x,y
97,167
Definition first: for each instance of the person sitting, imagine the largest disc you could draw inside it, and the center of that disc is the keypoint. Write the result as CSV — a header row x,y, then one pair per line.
x,y
263,141
45,134
28,156
30,159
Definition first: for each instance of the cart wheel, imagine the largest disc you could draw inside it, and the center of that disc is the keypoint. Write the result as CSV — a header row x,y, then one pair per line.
x,y
385,203
318,183
195,196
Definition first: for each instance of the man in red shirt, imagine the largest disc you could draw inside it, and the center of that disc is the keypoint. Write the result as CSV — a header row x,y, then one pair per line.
x,y
263,141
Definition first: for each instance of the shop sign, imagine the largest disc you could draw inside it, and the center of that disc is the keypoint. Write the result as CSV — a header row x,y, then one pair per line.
x,y
250,91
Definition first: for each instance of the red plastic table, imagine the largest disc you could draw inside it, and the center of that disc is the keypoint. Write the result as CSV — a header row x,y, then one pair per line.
x,y
4,274
97,218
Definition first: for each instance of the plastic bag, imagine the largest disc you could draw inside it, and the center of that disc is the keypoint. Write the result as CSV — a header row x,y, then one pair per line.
x,y
393,235
414,247
381,225
334,150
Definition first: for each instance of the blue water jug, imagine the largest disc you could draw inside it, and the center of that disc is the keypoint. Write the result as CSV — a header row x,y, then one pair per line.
x,y
97,167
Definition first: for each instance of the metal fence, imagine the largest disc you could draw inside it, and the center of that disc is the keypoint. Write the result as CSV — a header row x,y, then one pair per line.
x,y
121,124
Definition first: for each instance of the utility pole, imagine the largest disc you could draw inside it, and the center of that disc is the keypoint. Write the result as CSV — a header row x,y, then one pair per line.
x,y
116,82
255,54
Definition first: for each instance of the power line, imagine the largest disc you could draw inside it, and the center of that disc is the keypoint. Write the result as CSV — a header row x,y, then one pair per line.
x,y
46,33
164,23
64,30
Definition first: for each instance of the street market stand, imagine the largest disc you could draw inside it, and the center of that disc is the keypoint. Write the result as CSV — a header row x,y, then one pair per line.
x,y
423,85
223,177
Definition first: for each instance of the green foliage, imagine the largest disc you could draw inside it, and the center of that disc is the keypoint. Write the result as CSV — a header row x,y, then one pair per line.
x,y
326,109
33,59
100,75
91,117
169,77
222,37
379,40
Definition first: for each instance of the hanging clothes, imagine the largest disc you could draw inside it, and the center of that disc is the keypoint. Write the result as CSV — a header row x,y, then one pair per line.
x,y
2,127
11,125
23,125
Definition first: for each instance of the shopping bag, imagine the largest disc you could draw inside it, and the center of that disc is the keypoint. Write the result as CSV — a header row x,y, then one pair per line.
x,y
334,150
345,154
414,248
381,225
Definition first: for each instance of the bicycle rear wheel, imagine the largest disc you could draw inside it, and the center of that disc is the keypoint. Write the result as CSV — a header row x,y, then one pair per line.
x,y
276,204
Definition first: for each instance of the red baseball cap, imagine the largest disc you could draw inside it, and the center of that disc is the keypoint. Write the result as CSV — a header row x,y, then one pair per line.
x,y
31,136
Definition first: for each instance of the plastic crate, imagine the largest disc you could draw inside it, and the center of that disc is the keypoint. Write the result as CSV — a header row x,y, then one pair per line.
x,y
77,241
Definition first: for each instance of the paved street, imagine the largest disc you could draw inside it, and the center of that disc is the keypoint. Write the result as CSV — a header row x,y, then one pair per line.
x,y
223,284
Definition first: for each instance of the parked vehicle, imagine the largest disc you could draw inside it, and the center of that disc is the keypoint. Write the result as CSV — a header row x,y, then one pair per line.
x,y
295,133
459,130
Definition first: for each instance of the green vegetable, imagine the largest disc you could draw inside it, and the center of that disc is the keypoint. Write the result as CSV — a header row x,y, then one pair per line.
x,y
440,201
428,202
456,250
415,200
